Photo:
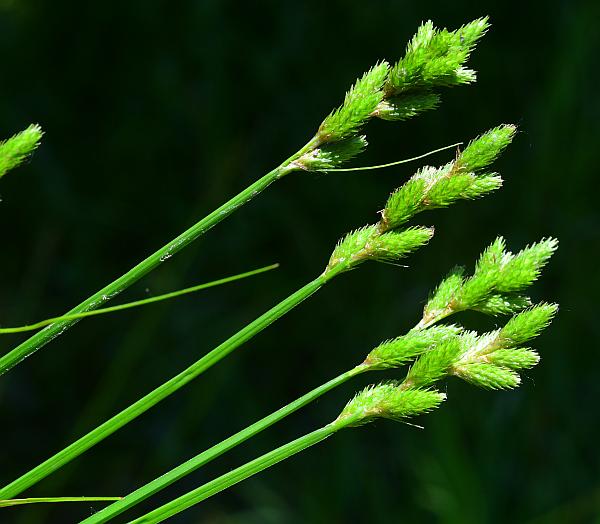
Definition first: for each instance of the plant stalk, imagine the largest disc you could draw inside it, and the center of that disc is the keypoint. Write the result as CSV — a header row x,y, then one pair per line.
x,y
163,391
237,475
215,451
40,339
212,453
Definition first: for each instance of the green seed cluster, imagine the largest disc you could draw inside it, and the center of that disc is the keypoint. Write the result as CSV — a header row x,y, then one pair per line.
x,y
388,400
398,351
429,188
497,284
17,149
360,101
434,59
432,188
491,360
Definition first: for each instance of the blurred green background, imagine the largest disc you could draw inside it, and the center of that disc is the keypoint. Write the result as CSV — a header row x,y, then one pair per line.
x,y
157,112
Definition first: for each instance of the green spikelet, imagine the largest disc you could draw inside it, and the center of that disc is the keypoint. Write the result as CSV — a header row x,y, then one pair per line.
x,y
527,325
485,149
360,101
436,58
487,376
404,107
396,352
520,358
388,400
16,149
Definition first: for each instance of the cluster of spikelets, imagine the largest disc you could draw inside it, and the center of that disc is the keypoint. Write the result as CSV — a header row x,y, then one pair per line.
x,y
489,360
462,179
18,148
434,59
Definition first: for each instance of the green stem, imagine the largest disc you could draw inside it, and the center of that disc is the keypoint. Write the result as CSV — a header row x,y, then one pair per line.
x,y
39,340
163,391
137,303
19,502
237,475
212,453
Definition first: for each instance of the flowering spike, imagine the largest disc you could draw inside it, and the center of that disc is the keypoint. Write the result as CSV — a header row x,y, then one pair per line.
x,y
368,243
396,352
432,188
520,358
360,101
524,268
404,107
527,325
388,400
485,149
497,282
435,58
332,154
17,148
434,364
488,376
499,304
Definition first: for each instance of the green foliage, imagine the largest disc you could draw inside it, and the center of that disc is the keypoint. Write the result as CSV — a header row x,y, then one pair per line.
x,y
434,58
137,303
396,352
16,149
432,188
388,400
360,101
405,202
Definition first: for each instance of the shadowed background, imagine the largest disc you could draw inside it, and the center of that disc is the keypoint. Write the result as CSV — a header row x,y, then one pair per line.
x,y
157,112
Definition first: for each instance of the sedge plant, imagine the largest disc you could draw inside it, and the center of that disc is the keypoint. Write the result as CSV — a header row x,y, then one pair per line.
x,y
496,271
466,177
434,59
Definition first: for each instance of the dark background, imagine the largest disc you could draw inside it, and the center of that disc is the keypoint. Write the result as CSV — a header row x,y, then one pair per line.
x,y
157,112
